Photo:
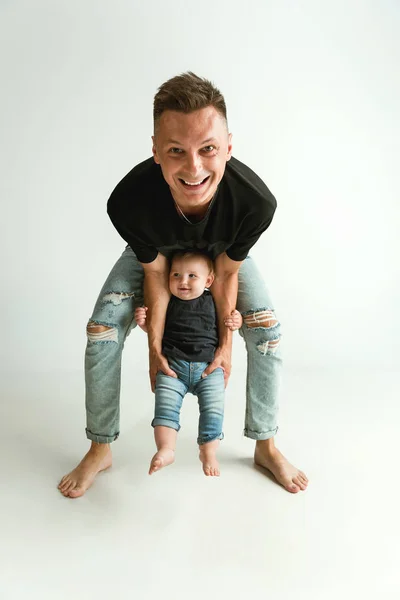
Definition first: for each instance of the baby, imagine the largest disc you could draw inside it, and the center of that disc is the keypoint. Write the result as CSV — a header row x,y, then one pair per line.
x,y
189,342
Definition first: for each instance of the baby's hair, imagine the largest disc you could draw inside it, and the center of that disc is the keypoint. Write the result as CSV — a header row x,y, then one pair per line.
x,y
183,254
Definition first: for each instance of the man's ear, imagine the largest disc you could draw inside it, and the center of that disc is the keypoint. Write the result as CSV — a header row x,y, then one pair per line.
x,y
154,150
229,147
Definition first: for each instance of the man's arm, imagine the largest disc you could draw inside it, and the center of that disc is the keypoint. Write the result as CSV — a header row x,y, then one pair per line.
x,y
224,291
156,295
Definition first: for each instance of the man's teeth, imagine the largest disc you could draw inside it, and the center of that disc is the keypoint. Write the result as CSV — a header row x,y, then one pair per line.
x,y
198,183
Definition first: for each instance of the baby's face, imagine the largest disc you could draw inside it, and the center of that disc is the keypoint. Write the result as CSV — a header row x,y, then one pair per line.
x,y
188,277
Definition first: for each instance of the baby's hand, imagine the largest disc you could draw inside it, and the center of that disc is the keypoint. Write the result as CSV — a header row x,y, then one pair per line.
x,y
234,321
140,317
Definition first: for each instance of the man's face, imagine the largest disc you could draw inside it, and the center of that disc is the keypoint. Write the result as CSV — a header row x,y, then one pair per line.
x,y
192,150
188,277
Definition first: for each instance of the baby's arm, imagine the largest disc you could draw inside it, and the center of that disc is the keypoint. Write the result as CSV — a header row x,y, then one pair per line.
x,y
140,317
234,321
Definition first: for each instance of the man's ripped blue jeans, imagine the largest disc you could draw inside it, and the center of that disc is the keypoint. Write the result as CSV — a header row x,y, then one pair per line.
x,y
114,310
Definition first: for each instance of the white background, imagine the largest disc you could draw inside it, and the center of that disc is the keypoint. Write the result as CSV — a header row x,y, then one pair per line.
x,y
312,90
313,96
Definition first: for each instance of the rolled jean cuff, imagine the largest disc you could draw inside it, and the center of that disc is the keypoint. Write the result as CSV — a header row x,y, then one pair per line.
x,y
206,440
260,435
165,423
101,439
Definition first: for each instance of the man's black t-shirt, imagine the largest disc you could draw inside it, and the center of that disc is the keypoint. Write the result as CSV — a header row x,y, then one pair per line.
x,y
143,211
191,329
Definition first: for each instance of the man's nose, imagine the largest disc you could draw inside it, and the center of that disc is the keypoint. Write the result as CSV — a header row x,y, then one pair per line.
x,y
194,164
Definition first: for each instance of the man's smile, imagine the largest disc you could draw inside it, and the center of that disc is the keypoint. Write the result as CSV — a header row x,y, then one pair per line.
x,y
195,185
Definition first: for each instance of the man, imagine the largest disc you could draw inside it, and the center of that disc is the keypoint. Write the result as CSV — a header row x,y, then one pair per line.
x,y
192,194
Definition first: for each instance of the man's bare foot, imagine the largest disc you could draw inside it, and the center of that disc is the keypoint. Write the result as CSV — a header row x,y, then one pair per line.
x,y
162,458
208,458
269,457
81,478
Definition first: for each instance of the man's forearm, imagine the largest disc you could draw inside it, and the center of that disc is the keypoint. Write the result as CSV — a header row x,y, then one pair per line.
x,y
224,291
156,296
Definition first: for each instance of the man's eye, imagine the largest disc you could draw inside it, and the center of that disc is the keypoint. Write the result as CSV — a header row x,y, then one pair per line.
x,y
175,150
209,148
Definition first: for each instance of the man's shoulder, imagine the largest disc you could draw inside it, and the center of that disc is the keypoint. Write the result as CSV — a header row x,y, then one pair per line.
x,y
143,182
143,176
243,183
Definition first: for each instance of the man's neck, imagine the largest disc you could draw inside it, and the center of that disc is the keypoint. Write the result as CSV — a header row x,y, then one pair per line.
x,y
193,213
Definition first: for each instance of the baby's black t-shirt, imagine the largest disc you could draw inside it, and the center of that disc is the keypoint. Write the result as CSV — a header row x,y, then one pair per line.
x,y
191,329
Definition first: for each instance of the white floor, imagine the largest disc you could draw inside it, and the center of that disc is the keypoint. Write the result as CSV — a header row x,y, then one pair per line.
x,y
179,534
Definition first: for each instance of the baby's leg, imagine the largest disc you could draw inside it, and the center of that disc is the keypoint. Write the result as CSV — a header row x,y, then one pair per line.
x,y
165,438
210,392
208,458
169,394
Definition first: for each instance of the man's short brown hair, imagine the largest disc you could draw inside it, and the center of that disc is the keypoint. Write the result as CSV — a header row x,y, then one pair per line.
x,y
186,93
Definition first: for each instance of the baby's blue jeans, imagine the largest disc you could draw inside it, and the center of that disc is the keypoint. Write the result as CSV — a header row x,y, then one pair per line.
x,y
115,307
209,391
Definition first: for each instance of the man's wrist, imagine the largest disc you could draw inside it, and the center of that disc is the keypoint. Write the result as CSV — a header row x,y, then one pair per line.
x,y
225,339
227,347
155,348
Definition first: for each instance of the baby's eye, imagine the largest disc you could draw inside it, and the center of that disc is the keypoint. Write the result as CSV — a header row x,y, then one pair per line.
x,y
192,275
175,274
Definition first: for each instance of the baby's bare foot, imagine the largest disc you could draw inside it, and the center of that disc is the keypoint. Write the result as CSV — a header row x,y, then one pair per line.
x,y
208,458
81,478
291,478
162,458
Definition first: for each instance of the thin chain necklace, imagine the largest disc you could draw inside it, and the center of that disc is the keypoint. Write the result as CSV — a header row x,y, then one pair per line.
x,y
185,217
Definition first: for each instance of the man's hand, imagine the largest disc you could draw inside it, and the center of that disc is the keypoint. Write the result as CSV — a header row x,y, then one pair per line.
x,y
158,362
222,358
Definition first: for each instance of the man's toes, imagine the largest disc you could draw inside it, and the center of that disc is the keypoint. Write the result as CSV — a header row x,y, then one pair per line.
x,y
292,487
63,482
67,488
298,482
76,492
66,491
66,484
